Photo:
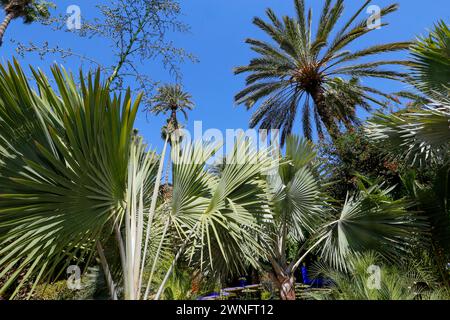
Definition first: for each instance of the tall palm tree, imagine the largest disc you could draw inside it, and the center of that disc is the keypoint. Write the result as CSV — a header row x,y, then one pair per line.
x,y
421,135
171,99
316,72
29,10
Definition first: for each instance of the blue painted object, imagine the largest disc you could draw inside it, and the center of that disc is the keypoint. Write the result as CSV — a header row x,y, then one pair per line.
x,y
317,283
242,282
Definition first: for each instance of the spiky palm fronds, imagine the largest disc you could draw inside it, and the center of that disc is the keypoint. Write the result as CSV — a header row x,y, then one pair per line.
x,y
370,278
371,220
420,137
63,170
29,10
300,69
431,72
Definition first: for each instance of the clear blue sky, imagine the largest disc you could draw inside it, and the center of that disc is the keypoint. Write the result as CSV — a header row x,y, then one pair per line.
x,y
218,31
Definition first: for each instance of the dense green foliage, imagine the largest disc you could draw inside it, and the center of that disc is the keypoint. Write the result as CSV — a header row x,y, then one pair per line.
x,y
80,187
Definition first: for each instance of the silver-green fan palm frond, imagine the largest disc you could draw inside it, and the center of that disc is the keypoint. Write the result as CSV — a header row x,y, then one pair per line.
x,y
217,217
431,54
301,68
420,137
370,220
169,97
63,170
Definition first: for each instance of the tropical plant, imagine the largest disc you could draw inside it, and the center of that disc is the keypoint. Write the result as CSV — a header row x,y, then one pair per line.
x,y
29,10
171,99
363,282
368,220
431,54
432,198
352,156
64,172
74,174
420,137
315,72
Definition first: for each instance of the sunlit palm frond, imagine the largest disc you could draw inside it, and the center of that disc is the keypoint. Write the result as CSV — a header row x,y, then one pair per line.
x,y
431,69
370,220
169,97
420,137
219,214
64,176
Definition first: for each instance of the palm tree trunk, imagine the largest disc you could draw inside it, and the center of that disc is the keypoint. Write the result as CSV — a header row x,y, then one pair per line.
x,y
166,179
325,114
286,286
107,271
10,16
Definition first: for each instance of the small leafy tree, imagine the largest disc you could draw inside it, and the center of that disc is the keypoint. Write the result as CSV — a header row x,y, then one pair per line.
x,y
136,32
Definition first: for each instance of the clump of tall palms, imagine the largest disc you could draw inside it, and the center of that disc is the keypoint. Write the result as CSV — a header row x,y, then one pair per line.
x,y
29,10
315,70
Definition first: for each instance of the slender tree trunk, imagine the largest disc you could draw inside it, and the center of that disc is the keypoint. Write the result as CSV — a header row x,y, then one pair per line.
x,y
166,179
10,16
108,276
325,114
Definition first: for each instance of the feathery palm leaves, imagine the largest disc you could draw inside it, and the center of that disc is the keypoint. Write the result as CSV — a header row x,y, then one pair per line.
x,y
171,99
317,73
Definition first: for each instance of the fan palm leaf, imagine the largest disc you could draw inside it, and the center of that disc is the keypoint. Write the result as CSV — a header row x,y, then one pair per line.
x,y
64,176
